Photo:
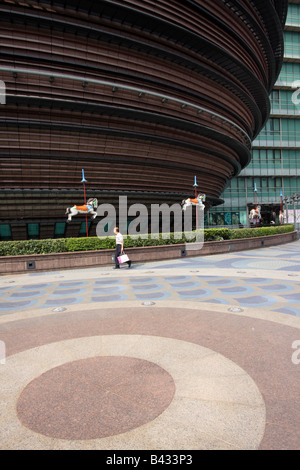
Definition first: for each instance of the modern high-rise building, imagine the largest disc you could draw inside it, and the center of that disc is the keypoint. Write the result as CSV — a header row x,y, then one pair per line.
x,y
275,166
143,95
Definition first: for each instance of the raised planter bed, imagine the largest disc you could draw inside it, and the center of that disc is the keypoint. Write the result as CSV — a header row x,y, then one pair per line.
x,y
85,259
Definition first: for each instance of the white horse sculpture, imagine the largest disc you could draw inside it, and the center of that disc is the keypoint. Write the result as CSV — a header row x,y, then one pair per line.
x,y
255,215
89,208
281,218
194,202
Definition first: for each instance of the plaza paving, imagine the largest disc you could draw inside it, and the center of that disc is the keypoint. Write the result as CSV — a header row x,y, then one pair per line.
x,y
194,353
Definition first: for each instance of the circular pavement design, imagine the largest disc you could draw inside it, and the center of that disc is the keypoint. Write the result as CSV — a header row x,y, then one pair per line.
x,y
224,381
216,405
95,397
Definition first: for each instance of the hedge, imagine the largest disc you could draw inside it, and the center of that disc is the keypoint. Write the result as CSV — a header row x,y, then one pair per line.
x,y
63,245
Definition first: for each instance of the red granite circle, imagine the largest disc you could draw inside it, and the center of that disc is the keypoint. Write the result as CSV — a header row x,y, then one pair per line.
x,y
95,397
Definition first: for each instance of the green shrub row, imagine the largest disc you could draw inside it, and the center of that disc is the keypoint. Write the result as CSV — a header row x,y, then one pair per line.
x,y
63,245
260,231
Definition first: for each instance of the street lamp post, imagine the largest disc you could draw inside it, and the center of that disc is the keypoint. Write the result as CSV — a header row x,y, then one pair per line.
x,y
286,202
294,199
255,192
281,208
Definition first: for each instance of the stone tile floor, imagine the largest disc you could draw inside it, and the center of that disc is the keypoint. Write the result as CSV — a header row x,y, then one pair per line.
x,y
194,353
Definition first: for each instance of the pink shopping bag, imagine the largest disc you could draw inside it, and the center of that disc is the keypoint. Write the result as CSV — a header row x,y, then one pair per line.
x,y
123,258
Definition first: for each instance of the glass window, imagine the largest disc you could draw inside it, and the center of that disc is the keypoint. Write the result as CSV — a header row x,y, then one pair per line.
x,y
33,230
243,218
82,231
291,43
241,182
293,16
60,228
275,99
275,125
235,218
227,218
290,72
5,232
250,183
220,219
277,155
109,227
263,155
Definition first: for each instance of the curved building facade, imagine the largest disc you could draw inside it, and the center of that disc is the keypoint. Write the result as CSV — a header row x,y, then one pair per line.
x,y
143,95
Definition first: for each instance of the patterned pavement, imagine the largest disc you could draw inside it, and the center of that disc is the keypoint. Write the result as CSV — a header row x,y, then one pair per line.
x,y
194,353
276,296
184,279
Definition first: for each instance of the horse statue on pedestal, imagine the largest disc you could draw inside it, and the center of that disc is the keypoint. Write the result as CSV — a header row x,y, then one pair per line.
x,y
255,215
194,202
89,208
281,218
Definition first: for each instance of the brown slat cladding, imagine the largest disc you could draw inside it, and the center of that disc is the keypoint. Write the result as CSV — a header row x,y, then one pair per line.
x,y
214,60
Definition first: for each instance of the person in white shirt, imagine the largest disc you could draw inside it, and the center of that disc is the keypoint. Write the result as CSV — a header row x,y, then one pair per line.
x,y
119,248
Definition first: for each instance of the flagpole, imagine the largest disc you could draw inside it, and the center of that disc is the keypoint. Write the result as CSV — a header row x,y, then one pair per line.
x,y
255,191
85,181
195,186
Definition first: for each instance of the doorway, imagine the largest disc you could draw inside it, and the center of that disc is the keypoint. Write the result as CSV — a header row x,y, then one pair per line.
x,y
269,213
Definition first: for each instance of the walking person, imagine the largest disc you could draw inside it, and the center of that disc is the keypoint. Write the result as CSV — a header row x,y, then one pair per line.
x,y
119,248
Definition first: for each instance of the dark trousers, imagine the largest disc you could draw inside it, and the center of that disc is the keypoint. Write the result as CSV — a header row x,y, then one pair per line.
x,y
117,253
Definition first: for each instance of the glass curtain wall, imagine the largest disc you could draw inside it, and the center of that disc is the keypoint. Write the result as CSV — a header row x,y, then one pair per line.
x,y
275,166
